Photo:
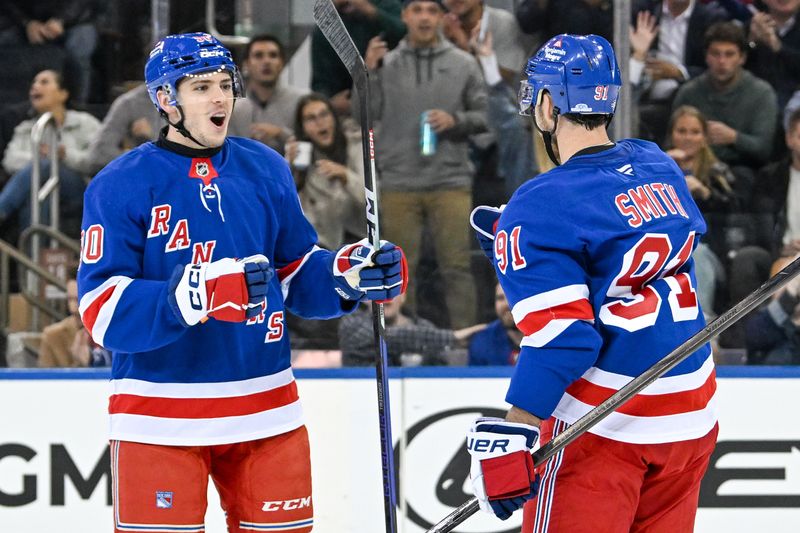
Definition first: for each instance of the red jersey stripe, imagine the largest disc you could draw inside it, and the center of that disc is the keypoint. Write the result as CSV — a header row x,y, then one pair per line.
x,y
203,407
289,269
536,320
90,315
648,404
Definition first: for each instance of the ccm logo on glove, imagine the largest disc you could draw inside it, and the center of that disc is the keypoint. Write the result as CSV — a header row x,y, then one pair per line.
x,y
194,284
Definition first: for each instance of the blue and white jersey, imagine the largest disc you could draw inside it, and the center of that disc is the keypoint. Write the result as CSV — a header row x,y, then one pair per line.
x,y
217,382
595,259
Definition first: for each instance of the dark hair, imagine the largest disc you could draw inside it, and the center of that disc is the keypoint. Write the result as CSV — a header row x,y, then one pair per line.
x,y
337,151
265,38
64,81
794,119
590,122
725,32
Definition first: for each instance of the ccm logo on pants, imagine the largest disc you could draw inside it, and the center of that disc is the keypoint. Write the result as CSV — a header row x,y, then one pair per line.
x,y
287,505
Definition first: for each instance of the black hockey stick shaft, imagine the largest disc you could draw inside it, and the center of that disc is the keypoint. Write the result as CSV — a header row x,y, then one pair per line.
x,y
330,24
636,385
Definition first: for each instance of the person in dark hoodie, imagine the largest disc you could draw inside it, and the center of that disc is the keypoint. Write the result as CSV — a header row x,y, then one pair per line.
x,y
426,82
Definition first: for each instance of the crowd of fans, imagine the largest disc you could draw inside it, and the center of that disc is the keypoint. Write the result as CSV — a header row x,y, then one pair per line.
x,y
716,84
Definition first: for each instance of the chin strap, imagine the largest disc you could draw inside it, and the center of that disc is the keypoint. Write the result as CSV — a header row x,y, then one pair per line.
x,y
179,125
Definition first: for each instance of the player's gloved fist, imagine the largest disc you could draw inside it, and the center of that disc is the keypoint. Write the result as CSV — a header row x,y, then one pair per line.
x,y
227,289
361,271
483,220
501,471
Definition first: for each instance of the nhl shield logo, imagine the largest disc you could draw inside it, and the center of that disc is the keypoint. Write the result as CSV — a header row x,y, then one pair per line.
x,y
201,169
163,500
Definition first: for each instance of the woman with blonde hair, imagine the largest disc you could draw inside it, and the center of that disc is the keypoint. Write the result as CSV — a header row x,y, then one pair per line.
x,y
711,184
710,180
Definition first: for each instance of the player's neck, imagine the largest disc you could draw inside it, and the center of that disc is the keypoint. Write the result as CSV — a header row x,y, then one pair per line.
x,y
573,138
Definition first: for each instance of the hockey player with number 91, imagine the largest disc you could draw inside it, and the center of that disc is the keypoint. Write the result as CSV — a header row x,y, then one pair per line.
x,y
595,257
193,248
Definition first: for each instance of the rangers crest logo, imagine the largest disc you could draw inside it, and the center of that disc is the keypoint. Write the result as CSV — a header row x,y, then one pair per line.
x,y
163,499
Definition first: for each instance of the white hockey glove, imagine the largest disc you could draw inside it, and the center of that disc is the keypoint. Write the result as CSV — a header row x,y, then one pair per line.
x,y
483,220
501,471
227,289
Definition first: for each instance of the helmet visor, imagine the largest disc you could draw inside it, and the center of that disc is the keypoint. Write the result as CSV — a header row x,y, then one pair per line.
x,y
525,98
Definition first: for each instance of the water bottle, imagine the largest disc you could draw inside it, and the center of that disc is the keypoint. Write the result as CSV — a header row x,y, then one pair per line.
x,y
427,137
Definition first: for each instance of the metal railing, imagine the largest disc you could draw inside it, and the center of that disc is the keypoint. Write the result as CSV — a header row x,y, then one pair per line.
x,y
45,125
244,17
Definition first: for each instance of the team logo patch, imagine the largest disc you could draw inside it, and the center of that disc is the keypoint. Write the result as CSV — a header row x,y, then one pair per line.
x,y
164,500
202,169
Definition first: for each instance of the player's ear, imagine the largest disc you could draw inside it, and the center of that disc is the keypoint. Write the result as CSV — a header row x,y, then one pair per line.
x,y
543,111
163,101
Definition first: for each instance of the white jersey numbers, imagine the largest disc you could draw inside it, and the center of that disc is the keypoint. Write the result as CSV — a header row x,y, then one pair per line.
x,y
637,299
506,250
92,244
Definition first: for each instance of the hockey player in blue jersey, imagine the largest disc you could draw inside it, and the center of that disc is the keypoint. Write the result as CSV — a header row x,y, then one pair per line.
x,y
193,249
595,259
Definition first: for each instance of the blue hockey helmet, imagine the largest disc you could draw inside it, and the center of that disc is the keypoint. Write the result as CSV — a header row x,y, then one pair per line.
x,y
579,71
187,54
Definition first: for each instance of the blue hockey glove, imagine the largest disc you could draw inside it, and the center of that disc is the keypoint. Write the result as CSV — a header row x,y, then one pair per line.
x,y
483,220
227,289
360,271
502,472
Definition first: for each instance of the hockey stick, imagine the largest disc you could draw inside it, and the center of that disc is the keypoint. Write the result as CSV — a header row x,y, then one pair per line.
x,y
332,27
632,388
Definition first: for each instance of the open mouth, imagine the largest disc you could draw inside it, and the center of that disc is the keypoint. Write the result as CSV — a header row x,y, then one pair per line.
x,y
218,119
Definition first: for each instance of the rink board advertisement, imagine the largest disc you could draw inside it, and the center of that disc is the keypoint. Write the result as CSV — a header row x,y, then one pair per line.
x,y
55,473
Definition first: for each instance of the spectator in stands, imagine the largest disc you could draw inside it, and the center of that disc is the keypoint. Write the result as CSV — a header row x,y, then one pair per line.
x,y
76,129
427,80
511,46
777,209
10,117
552,17
502,50
410,341
774,40
67,23
331,183
498,344
364,20
67,343
131,121
711,184
667,50
741,109
773,332
267,113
